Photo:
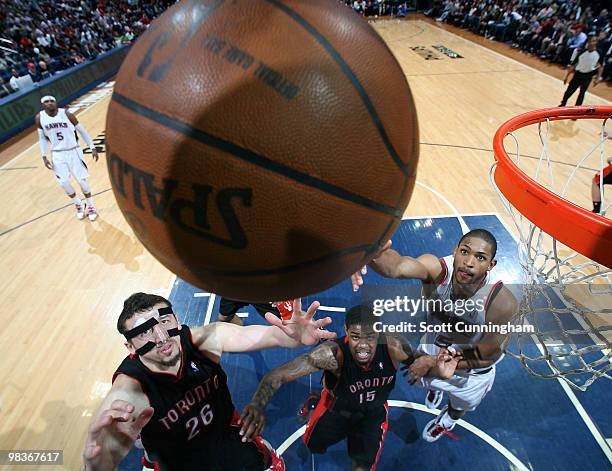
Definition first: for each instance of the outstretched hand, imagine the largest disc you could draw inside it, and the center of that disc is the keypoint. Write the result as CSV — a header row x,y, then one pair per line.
x,y
302,327
446,363
112,434
357,277
417,369
441,366
252,422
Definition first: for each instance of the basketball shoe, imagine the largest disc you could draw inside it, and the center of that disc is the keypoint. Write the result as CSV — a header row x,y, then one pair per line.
x,y
92,214
435,429
80,208
433,399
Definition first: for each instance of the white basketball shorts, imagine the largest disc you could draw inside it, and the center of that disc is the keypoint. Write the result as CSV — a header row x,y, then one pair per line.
x,y
70,162
465,390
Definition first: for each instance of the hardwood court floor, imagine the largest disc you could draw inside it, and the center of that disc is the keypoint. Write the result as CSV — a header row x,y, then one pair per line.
x,y
63,281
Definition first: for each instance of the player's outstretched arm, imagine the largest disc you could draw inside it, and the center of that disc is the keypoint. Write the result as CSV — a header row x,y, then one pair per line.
x,y
324,357
114,428
301,329
391,264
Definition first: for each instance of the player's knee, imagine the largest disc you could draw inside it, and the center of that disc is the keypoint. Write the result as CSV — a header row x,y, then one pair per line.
x,y
65,184
85,188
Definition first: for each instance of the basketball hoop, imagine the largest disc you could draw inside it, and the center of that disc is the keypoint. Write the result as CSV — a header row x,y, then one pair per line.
x,y
565,251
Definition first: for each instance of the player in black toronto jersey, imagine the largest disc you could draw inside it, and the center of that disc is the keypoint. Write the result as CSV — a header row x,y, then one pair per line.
x,y
359,373
172,391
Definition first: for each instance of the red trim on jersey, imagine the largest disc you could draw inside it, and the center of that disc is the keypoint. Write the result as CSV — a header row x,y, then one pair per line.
x,y
491,291
235,422
445,266
272,459
147,464
384,426
323,406
606,171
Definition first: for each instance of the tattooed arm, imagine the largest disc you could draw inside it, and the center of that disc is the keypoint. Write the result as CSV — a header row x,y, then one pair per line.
x,y
324,357
400,350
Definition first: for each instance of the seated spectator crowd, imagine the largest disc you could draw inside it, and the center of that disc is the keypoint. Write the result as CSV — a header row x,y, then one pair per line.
x,y
379,7
553,30
43,37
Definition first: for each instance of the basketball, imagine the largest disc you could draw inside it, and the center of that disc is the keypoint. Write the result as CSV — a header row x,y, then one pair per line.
x,y
262,150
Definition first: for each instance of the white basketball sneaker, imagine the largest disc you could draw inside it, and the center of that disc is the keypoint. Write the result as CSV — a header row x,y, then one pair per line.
x,y
92,214
80,210
433,399
434,429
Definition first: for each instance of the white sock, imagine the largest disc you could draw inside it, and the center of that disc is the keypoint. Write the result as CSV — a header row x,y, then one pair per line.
x,y
89,202
447,421
76,200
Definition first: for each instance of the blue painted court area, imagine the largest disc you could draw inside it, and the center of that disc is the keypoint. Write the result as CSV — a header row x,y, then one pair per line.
x,y
524,422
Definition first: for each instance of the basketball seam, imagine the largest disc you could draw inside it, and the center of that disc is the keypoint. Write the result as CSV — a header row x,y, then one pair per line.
x,y
348,72
252,157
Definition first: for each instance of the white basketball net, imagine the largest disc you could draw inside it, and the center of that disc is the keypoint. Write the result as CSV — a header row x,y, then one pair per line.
x,y
565,296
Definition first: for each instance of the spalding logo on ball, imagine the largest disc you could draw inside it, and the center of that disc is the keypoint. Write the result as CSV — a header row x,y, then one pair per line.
x,y
262,149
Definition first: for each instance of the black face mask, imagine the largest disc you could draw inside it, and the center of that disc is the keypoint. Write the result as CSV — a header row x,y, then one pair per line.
x,y
149,324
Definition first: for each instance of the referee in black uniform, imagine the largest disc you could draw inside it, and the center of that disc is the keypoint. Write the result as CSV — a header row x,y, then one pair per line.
x,y
583,70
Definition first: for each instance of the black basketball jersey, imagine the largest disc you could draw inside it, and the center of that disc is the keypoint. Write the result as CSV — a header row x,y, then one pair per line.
x,y
193,409
358,389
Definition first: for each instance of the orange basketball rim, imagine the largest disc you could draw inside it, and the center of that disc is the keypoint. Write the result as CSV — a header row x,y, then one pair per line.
x,y
577,228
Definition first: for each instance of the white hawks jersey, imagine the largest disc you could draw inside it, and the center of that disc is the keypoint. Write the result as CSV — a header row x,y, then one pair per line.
x,y
474,314
59,130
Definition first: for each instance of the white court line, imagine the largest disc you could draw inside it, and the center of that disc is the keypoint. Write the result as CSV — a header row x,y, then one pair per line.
x,y
518,464
292,438
332,309
211,302
528,67
168,290
464,227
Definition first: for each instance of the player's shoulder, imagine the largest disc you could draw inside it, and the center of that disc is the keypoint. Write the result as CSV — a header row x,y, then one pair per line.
x,y
207,339
124,382
504,304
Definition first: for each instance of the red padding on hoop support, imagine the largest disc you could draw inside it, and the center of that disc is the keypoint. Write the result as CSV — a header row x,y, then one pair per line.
x,y
579,229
